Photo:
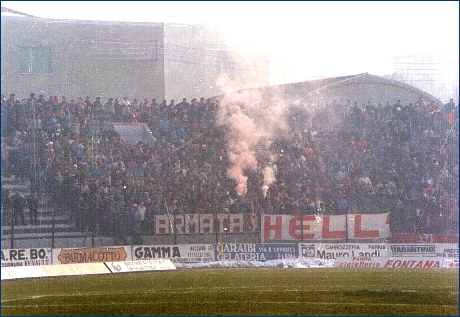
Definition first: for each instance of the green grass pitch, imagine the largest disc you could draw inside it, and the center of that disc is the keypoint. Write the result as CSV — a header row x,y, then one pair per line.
x,y
259,291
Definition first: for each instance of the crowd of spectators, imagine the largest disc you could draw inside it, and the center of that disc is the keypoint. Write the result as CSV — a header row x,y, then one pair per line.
x,y
350,158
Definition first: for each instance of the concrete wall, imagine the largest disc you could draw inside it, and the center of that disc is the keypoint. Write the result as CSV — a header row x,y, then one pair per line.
x,y
94,58
117,59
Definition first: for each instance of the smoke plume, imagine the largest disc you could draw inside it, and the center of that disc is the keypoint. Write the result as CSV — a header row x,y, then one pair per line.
x,y
252,120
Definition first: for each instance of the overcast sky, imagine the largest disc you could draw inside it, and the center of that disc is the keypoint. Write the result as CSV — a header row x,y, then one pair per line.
x,y
305,39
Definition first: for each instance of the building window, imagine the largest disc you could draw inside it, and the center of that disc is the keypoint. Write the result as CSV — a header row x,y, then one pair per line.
x,y
35,60
116,50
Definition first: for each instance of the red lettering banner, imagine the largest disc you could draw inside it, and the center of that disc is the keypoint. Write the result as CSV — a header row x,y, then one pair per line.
x,y
364,227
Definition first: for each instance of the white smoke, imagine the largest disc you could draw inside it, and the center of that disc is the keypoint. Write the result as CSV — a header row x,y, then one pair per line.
x,y
269,177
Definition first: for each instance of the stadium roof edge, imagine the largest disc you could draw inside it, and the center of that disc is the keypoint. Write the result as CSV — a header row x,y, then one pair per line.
x,y
16,13
317,85
27,17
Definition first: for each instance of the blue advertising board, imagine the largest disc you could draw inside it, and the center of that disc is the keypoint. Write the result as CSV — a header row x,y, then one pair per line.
x,y
255,251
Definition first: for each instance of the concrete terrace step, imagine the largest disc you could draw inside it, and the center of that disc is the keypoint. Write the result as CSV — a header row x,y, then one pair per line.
x,y
46,213
64,227
8,181
14,184
39,229
12,179
43,226
19,187
48,235
41,218
22,189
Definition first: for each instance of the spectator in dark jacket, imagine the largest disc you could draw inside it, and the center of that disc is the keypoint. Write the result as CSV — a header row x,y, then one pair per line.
x,y
19,202
33,207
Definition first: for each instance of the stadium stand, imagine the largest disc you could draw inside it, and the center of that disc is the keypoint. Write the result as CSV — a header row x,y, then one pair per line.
x,y
370,159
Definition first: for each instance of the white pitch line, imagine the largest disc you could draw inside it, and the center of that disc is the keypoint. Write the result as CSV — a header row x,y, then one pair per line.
x,y
24,298
220,302
223,289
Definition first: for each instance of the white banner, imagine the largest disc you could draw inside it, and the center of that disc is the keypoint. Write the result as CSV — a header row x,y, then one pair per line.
x,y
369,227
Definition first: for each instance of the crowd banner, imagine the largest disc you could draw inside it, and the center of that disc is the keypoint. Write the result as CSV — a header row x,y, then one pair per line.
x,y
26,257
139,266
338,228
187,253
89,255
241,223
255,251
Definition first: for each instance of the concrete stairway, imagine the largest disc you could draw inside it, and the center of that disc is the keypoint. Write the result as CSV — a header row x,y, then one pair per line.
x,y
63,224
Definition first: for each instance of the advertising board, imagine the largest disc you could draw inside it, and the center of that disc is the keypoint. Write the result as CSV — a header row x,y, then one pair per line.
x,y
18,272
449,263
255,251
26,257
188,253
395,263
448,250
75,269
413,263
53,270
348,251
439,250
360,262
88,255
139,266
394,256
